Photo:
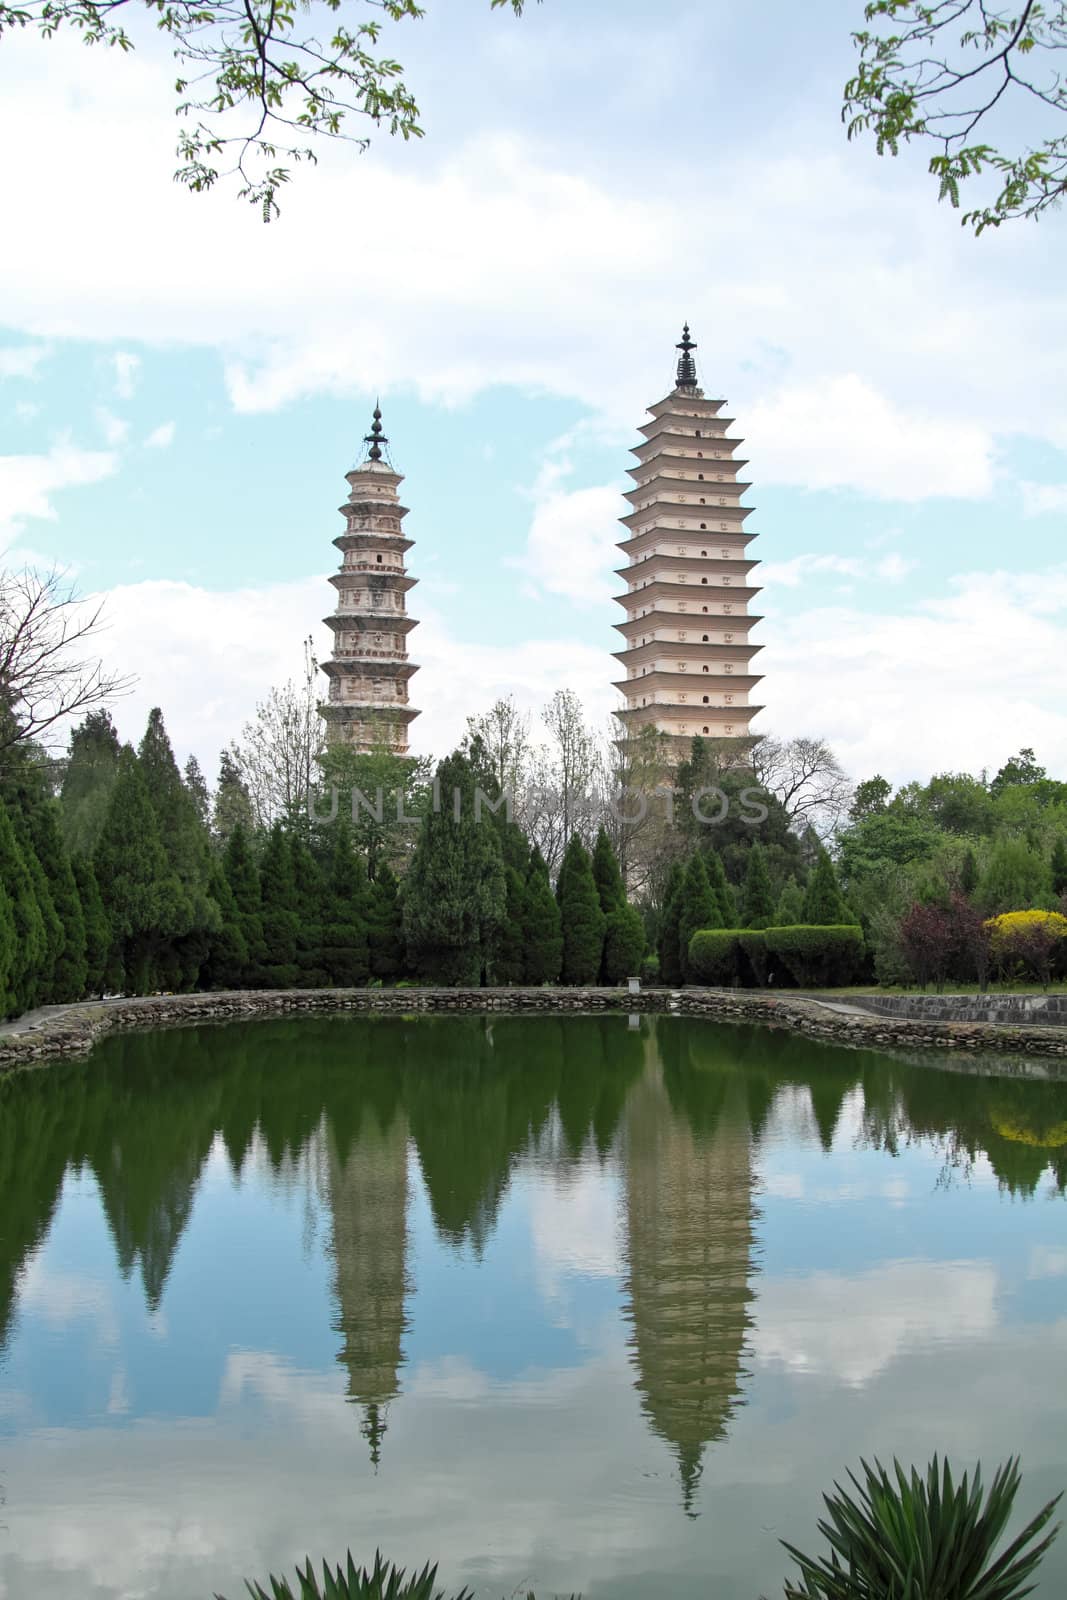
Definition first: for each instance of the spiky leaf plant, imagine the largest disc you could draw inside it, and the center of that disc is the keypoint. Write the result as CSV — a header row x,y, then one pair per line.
x,y
916,1539
385,1582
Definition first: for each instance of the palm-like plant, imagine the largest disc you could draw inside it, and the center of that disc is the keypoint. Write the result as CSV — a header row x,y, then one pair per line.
x,y
385,1582
916,1539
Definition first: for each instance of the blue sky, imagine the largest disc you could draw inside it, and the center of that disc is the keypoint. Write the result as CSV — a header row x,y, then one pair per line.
x,y
182,389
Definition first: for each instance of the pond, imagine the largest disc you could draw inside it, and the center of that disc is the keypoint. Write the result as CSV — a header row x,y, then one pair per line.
x,y
583,1303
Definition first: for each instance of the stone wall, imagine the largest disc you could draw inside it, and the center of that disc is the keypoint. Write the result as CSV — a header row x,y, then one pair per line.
x,y
72,1030
1045,1010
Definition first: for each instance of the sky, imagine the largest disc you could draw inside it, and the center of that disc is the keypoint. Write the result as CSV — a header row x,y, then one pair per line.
x,y
183,388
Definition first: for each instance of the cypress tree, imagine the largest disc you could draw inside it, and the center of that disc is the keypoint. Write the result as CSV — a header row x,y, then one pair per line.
x,y
581,918
281,922
624,944
69,969
542,931
509,966
969,873
141,897
243,880
233,805
721,889
1059,865
823,902
345,944
667,944
94,918
759,898
606,874
310,887
455,896
91,774
698,907
196,786
188,853
8,1003
226,961
31,939
27,801
385,929
790,908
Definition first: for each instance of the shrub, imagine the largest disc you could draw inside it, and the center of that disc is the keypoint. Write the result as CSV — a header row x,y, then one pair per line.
x,y
713,956
753,951
650,972
386,1582
1033,937
624,945
823,956
914,1539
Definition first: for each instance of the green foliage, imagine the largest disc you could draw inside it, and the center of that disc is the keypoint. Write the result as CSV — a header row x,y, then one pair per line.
x,y
8,1003
233,804
752,957
226,962
69,968
721,889
823,903
581,919
624,945
819,956
1021,769
1058,866
712,957
668,946
91,772
455,896
698,907
790,908
1016,877
345,946
310,885
140,894
385,928
542,930
349,1582
509,964
606,874
281,920
907,1537
95,923
242,879
870,798
758,895
193,913
378,793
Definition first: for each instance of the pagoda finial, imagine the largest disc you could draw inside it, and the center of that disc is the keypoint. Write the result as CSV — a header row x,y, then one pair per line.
x,y
375,438
687,367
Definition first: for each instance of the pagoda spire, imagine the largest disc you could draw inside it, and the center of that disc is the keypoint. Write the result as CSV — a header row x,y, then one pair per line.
x,y
375,438
687,367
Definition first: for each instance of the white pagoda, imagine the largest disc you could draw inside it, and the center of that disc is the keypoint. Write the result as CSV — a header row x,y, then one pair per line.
x,y
687,660
369,671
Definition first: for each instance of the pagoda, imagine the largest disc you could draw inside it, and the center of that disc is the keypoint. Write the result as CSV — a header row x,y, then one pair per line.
x,y
369,671
687,660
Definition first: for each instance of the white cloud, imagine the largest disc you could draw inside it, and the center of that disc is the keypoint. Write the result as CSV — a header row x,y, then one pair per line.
x,y
27,410
851,1327
798,569
1047,1261
113,428
126,367
895,567
21,360
1039,498
571,546
161,437
28,482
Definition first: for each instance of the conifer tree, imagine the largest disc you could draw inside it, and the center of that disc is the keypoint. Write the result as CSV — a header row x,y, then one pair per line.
x,y
345,944
789,911
243,880
823,901
542,932
140,894
310,886
698,907
188,853
8,1004
69,973
385,930
26,801
759,897
624,944
196,784
91,773
94,918
281,922
581,918
226,961
233,804
1059,865
607,875
968,873
509,966
455,896
667,944
721,889
30,939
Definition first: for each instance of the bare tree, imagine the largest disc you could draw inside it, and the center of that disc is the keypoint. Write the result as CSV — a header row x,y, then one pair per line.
x,y
563,792
47,673
504,731
808,780
278,753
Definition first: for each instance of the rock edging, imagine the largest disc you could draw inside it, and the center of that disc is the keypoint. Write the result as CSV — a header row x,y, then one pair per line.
x,y
73,1030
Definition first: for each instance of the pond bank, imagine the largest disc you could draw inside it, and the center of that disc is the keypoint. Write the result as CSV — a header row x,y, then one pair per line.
x,y
62,1031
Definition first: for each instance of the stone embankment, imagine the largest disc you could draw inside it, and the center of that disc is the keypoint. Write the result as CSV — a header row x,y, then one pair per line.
x,y
1044,1010
60,1031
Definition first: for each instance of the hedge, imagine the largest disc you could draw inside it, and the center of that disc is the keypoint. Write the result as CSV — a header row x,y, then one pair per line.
x,y
805,955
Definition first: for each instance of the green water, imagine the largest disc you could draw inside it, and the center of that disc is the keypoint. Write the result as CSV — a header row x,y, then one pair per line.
x,y
564,1303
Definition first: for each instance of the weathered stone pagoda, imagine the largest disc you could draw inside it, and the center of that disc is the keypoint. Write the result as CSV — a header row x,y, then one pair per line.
x,y
369,671
688,659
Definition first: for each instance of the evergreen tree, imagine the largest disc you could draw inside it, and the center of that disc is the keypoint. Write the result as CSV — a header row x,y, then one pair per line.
x,y
968,873
581,918
226,962
1059,866
69,964
789,911
455,897
823,902
141,896
667,944
345,946
94,918
30,940
243,881
385,928
624,944
196,784
698,907
188,854
281,921
91,773
606,873
509,966
759,897
27,800
233,804
721,889
1016,877
8,1003
542,932
310,886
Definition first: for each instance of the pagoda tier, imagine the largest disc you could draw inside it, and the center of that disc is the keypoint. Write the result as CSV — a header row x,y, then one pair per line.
x,y
368,670
687,659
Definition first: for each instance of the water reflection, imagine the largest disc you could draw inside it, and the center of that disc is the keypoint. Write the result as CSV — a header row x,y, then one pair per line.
x,y
413,1147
